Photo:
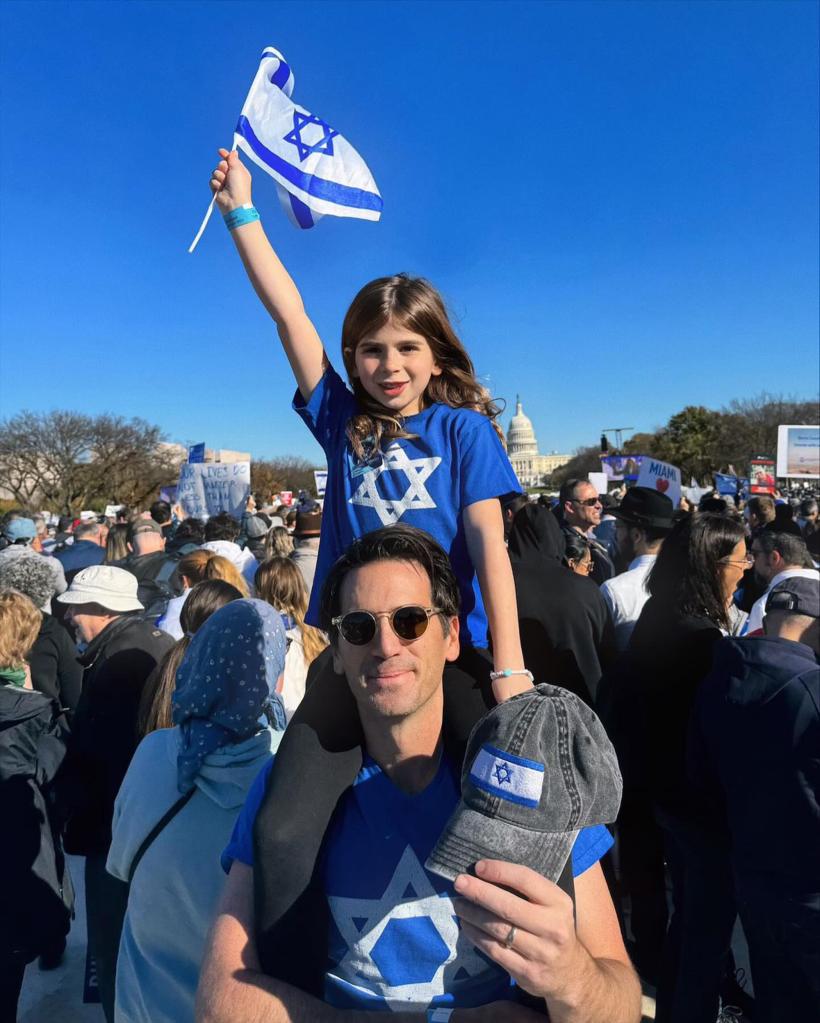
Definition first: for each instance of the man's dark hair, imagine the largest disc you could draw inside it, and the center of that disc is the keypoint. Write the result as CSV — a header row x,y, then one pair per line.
x,y
792,549
85,529
567,491
192,530
807,506
222,527
515,504
392,543
762,507
712,503
686,575
575,545
160,512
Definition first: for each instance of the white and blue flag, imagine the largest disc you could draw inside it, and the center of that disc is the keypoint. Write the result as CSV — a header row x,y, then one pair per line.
x,y
512,777
316,169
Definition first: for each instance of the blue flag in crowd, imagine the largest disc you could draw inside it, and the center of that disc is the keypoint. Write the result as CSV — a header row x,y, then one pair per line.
x,y
316,169
725,484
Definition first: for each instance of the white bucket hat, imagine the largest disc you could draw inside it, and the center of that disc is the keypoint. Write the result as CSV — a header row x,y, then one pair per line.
x,y
112,588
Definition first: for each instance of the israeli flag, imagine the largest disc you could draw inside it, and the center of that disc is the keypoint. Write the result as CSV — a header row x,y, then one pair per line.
x,y
316,169
503,774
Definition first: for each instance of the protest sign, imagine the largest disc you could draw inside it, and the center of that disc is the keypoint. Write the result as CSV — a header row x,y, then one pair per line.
x,y
598,480
112,510
621,467
207,489
320,479
798,451
196,453
661,476
761,475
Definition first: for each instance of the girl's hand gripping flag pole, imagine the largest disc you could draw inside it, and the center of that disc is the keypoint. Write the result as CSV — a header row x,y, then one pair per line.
x,y
316,170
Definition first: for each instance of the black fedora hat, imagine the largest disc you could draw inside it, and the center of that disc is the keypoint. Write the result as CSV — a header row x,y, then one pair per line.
x,y
642,506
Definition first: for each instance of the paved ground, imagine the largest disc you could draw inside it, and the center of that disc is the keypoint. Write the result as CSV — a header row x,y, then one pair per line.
x,y
56,996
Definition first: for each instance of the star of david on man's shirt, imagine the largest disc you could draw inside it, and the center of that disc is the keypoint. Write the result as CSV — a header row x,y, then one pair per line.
x,y
307,123
417,471
376,931
502,773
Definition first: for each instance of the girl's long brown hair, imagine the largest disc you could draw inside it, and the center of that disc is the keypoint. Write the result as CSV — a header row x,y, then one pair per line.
x,y
414,304
279,582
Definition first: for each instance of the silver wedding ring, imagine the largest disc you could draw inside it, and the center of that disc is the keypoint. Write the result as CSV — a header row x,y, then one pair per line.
x,y
508,941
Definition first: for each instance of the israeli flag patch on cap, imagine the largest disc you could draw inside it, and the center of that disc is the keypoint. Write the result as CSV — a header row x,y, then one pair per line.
x,y
504,774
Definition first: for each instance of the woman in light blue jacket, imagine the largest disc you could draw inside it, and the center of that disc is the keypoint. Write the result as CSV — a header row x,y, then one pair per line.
x,y
194,777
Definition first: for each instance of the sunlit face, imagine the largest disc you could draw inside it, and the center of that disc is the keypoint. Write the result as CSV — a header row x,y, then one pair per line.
x,y
732,568
584,510
390,677
394,366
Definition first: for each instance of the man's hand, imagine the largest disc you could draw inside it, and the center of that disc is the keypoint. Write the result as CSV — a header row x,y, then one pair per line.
x,y
545,956
231,182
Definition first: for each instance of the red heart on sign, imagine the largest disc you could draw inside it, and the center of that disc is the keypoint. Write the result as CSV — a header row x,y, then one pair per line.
x,y
662,485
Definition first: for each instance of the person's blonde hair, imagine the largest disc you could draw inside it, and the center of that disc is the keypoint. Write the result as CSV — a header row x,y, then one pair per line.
x,y
279,582
20,623
116,544
155,703
278,542
201,565
413,304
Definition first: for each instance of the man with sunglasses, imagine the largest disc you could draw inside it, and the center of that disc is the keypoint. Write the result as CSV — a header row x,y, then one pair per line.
x,y
579,510
382,934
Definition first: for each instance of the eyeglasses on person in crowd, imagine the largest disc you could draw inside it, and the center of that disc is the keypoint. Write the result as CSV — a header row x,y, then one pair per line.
x,y
408,622
588,502
748,560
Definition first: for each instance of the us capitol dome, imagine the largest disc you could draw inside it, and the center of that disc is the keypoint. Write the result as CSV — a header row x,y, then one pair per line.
x,y
522,447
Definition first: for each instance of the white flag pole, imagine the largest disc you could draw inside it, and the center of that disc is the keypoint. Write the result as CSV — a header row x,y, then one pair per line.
x,y
207,216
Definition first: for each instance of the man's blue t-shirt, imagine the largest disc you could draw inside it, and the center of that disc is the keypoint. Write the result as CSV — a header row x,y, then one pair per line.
x,y
394,941
454,459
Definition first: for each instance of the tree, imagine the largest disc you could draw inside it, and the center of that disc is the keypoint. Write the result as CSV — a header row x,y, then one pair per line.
x,y
67,461
270,475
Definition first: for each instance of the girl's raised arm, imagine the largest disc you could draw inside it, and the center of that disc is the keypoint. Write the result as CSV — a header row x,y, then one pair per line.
x,y
273,284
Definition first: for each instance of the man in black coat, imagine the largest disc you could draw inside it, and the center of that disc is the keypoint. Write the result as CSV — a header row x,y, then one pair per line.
x,y
755,741
566,633
122,650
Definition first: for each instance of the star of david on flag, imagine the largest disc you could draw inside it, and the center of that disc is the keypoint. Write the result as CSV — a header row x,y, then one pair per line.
x,y
316,170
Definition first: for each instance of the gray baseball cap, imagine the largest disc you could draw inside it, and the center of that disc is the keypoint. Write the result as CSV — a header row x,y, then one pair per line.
x,y
796,595
538,768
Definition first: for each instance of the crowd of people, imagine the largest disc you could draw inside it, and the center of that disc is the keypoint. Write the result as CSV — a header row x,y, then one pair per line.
x,y
432,748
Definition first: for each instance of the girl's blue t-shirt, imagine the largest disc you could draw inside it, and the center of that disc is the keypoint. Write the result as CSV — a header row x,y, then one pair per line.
x,y
454,459
394,941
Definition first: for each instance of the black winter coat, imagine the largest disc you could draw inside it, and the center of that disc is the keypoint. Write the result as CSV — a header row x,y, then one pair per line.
x,y
55,670
36,897
104,731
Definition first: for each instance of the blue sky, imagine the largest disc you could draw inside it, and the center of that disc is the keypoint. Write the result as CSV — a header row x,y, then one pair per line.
x,y
618,200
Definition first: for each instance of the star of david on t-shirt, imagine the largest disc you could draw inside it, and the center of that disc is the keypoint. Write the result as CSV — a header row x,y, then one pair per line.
x,y
401,945
417,471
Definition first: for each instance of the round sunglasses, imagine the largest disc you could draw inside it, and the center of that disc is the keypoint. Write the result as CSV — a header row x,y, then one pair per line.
x,y
408,622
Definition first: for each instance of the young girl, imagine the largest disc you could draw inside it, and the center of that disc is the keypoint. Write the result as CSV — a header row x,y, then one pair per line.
x,y
415,441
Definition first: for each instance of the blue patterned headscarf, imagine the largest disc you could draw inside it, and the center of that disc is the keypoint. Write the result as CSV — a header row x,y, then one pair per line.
x,y
227,681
